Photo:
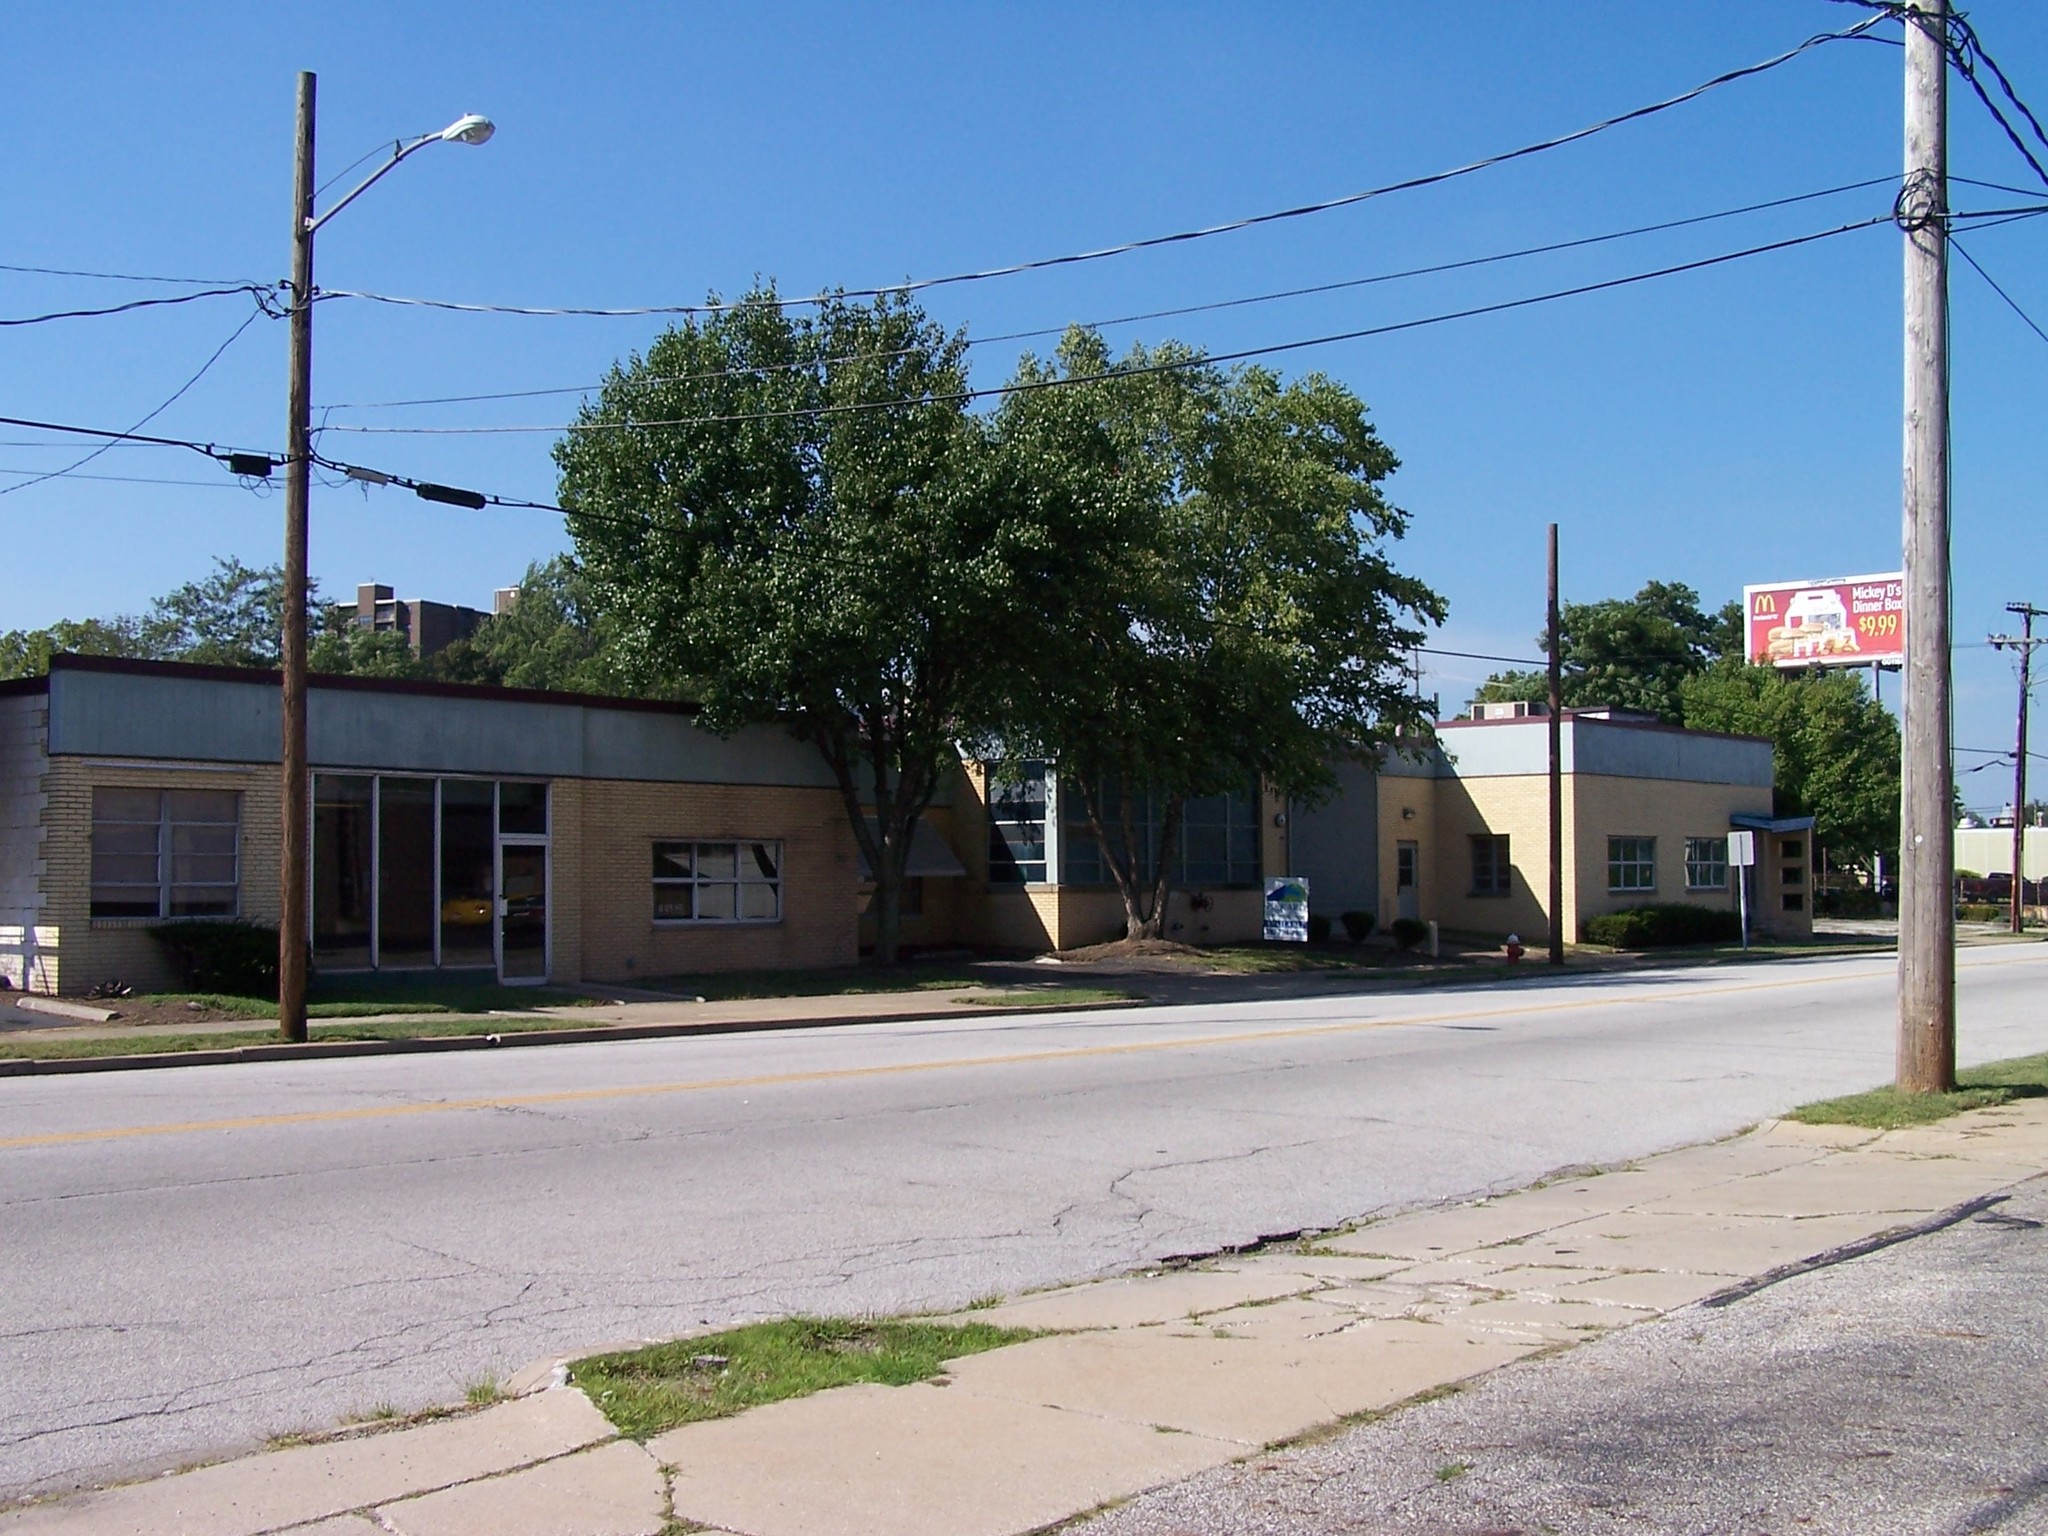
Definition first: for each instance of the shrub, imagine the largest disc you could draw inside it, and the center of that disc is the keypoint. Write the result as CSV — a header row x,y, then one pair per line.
x,y
1318,928
239,959
1852,901
1980,912
1408,931
1661,926
1358,926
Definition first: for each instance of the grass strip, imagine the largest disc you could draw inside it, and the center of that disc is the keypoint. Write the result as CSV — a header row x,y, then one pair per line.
x,y
1886,1109
226,1040
647,1391
1049,997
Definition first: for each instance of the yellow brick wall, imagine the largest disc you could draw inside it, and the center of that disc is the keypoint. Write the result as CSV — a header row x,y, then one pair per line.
x,y
1399,797
608,857
1668,810
1516,806
91,952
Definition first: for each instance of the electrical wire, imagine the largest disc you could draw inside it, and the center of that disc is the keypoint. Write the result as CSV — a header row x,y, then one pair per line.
x,y
2011,303
1151,242
131,434
215,485
253,289
1158,314
1173,366
124,277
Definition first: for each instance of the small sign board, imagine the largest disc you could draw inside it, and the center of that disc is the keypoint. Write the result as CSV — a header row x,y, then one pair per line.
x,y
1287,910
1742,849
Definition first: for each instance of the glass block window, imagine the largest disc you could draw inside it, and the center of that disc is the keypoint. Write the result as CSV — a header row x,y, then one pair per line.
x,y
166,853
721,882
1706,863
1631,864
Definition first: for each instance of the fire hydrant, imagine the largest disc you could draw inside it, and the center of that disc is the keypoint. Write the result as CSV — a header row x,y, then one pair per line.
x,y
1514,949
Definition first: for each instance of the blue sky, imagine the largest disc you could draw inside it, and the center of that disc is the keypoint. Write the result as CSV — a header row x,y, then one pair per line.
x,y
1739,424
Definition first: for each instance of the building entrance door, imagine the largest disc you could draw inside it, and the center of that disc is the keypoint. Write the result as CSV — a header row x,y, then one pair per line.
x,y
1407,877
522,912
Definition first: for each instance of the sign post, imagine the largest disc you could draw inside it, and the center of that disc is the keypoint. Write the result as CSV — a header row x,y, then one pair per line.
x,y
1287,910
1741,858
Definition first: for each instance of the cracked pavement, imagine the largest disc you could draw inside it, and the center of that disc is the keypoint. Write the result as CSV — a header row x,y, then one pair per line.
x,y
332,1238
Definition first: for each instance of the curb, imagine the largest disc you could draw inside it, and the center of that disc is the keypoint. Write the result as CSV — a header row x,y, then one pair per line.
x,y
321,1050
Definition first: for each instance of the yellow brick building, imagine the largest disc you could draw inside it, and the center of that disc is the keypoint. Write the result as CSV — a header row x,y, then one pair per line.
x,y
553,837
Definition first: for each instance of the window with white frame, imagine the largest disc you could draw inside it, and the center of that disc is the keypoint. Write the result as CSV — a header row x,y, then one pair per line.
x,y
1631,864
1016,827
1706,863
166,852
717,882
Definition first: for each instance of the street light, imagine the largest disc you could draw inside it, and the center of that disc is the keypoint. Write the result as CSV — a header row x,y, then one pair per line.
x,y
297,820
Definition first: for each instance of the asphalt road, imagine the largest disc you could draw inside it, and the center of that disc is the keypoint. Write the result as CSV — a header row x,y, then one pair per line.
x,y
1896,1394
193,1260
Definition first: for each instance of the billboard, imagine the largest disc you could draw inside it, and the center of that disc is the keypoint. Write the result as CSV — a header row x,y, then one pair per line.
x,y
1844,621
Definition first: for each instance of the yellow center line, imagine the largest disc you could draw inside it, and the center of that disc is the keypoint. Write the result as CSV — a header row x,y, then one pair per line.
x,y
901,1069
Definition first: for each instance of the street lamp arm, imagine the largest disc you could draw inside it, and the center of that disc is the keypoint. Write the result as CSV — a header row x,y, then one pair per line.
x,y
399,153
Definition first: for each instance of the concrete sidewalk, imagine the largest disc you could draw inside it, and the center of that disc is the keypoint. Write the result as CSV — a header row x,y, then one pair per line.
x,y
1149,1378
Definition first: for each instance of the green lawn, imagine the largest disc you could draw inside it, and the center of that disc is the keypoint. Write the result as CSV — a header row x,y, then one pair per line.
x,y
647,1391
74,1049
910,976
1886,1109
1272,959
360,997
1051,997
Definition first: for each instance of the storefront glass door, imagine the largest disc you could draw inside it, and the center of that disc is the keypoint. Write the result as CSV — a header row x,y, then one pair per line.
x,y
523,912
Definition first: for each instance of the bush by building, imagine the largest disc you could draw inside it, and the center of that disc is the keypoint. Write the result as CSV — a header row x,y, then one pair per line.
x,y
1661,926
239,959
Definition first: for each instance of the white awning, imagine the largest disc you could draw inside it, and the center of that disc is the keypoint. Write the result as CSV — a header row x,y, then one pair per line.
x,y
930,856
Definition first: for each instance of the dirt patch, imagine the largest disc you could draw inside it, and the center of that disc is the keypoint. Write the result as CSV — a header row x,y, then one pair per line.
x,y
1133,949
134,1011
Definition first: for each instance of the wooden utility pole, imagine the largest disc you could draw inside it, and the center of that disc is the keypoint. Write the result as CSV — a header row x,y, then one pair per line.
x,y
1556,726
1927,1018
2024,643
292,884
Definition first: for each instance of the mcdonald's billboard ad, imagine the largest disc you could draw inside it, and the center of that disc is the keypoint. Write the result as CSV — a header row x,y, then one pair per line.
x,y
1849,621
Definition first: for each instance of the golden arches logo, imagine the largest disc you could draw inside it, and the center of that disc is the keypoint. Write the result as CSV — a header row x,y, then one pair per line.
x,y
1766,605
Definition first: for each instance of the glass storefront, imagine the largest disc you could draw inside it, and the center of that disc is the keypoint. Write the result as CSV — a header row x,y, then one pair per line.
x,y
413,873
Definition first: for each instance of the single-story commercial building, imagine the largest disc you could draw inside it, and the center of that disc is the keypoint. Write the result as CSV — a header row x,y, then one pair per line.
x,y
537,835
548,836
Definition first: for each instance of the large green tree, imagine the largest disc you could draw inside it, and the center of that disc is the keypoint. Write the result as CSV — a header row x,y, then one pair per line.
x,y
1836,749
791,517
1249,628
1630,652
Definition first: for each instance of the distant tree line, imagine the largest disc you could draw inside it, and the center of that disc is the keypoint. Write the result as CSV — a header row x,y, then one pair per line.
x,y
550,638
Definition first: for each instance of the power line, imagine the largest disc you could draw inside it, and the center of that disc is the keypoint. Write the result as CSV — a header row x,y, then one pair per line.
x,y
134,434
210,485
178,393
1159,314
126,277
1173,366
1150,242
259,291
2011,302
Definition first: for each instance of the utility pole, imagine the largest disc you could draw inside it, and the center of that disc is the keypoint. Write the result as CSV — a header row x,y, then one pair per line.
x,y
2024,643
292,881
1552,644
1927,960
